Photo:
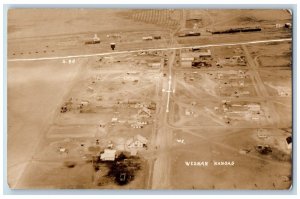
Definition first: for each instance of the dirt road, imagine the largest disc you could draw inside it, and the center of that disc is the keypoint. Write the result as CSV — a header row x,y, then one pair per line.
x,y
163,139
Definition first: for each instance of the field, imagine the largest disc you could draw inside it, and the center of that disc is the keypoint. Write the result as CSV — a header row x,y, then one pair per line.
x,y
24,131
250,170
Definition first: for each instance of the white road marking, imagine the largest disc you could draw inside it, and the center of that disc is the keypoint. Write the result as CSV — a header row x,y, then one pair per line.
x,y
169,91
158,49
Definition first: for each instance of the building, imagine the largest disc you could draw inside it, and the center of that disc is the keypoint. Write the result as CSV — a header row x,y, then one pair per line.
x,y
137,141
133,152
147,38
187,59
199,64
84,103
189,34
114,119
155,65
287,25
186,64
96,38
144,112
113,46
289,142
206,53
253,107
108,155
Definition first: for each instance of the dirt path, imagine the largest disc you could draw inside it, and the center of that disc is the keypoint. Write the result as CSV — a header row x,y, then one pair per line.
x,y
261,89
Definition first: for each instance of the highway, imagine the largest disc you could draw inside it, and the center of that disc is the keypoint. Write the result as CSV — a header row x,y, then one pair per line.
x,y
143,50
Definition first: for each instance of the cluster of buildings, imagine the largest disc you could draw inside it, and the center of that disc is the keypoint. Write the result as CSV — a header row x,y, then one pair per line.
x,y
149,38
133,145
232,61
251,111
201,58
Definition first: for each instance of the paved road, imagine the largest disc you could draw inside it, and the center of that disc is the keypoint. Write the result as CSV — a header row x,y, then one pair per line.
x,y
142,50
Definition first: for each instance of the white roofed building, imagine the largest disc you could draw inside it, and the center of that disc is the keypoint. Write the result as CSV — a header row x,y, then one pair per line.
x,y
108,155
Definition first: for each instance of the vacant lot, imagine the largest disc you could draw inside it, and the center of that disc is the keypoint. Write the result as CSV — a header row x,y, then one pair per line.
x,y
35,89
250,171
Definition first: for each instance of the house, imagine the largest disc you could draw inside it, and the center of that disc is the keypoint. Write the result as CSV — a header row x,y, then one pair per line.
x,y
137,141
108,155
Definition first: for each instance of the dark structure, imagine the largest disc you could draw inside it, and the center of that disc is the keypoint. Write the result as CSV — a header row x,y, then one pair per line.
x,y
113,46
289,139
190,34
200,63
92,42
236,30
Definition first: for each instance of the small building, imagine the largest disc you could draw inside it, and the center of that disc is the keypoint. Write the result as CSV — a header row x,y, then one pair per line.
x,y
90,89
96,38
187,112
108,155
195,49
199,64
187,59
148,38
289,142
137,141
189,34
144,112
254,107
155,65
193,33
186,64
279,25
206,53
287,25
113,46
133,152
114,119
84,103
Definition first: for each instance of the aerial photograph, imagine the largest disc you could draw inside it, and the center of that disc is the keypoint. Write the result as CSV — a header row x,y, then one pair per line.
x,y
149,99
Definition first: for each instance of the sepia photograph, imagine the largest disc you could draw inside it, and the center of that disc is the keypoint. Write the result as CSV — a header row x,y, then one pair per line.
x,y
149,99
